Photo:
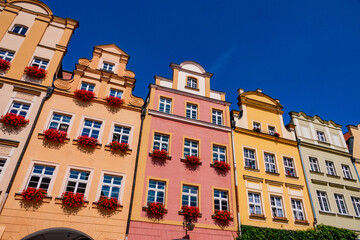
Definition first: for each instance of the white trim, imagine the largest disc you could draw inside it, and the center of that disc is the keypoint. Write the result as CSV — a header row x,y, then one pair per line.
x,y
81,124
7,160
112,173
252,125
256,156
261,201
49,117
122,125
66,177
297,173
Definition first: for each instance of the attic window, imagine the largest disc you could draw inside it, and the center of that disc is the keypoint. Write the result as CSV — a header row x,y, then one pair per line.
x,y
191,82
107,67
19,29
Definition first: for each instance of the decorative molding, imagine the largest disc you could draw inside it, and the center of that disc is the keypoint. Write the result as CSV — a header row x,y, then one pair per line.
x,y
291,185
323,148
252,178
136,101
272,182
9,142
25,90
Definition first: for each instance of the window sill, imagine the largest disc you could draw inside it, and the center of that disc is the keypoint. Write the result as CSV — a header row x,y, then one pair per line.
x,y
252,169
327,213
257,216
168,157
118,209
344,215
323,142
315,172
42,136
59,200
272,173
294,177
182,213
46,199
333,176
280,219
302,222
145,208
357,217
17,34
350,179
75,142
183,160
195,89
213,217
107,148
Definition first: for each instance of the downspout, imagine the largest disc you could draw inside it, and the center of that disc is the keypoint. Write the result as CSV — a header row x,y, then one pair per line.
x,y
49,92
351,151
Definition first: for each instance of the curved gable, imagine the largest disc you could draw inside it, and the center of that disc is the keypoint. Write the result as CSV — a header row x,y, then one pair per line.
x,y
32,5
192,66
261,97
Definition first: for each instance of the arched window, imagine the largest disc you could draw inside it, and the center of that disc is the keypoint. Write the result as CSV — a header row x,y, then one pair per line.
x,y
19,29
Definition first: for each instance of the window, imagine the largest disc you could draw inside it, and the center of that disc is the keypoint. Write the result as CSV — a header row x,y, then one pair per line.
x,y
165,105
121,134
156,192
321,136
314,164
87,87
254,203
40,63
20,109
107,66
217,117
221,200
161,142
271,130
249,156
19,29
191,82
340,203
77,181
41,177
60,122
91,129
256,126
346,171
219,154
356,204
2,164
6,55
330,168
191,148
191,111
297,209
323,201
189,196
111,186
270,163
115,93
289,167
276,206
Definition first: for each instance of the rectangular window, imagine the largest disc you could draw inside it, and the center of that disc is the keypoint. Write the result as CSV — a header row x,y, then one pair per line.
x,y
289,167
219,154
165,105
115,93
217,117
314,164
6,55
191,111
87,87
270,163
41,177
191,148
40,63
221,200
77,181
346,171
356,204
271,130
249,156
156,192
323,201
340,203
161,142
254,203
121,134
111,186
276,206
60,122
91,129
257,126
297,209
189,196
20,109
330,168
191,82
2,164
107,67
19,29
321,136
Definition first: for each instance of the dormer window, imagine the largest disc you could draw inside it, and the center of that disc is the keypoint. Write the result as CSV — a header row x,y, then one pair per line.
x,y
271,130
256,127
191,83
107,67
115,93
40,63
321,136
19,29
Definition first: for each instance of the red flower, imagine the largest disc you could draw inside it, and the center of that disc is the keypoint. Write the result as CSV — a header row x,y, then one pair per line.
x,y
156,208
4,64
87,141
277,134
192,160
73,200
224,216
55,135
84,95
221,165
114,101
35,72
160,154
14,120
108,204
33,194
192,212
114,145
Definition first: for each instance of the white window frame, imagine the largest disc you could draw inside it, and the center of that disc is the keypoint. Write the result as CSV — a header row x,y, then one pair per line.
x,y
270,166
21,29
115,93
193,151
86,86
121,133
20,108
254,203
248,158
41,175
43,64
341,204
77,180
60,122
161,141
296,211
314,164
277,206
189,195
165,103
157,190
217,117
111,185
3,167
191,111
108,66
356,204
191,82
92,128
221,200
220,155
103,173
323,201
346,171
271,131
288,167
321,136
6,55
330,168
256,125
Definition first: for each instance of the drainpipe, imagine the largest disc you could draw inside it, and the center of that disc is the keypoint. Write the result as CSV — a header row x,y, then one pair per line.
x,y
351,151
49,92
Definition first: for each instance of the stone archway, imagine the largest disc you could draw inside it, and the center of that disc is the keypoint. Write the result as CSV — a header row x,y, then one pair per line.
x,y
58,234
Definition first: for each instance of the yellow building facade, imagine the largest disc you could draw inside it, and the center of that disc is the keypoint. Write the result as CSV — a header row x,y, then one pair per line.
x,y
271,186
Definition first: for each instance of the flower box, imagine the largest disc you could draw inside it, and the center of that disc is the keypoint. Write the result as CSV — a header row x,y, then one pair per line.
x,y
223,216
155,209
123,147
192,160
114,101
221,165
191,212
14,120
108,204
35,72
55,135
276,134
72,200
87,141
160,154
84,95
33,194
4,64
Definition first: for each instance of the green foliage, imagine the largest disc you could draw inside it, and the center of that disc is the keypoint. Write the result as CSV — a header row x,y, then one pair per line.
x,y
322,232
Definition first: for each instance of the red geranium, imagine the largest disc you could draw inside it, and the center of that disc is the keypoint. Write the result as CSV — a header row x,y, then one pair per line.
x,y
114,101
73,200
108,204
277,134
84,95
221,165
87,141
192,160
192,212
114,145
4,64
160,154
156,208
55,135
33,194
35,72
224,216
14,120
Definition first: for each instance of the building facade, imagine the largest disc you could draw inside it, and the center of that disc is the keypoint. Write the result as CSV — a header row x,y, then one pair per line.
x,y
271,185
352,138
72,167
184,117
331,175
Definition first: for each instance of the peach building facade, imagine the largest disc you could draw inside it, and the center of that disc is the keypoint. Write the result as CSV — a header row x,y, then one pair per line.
x,y
352,138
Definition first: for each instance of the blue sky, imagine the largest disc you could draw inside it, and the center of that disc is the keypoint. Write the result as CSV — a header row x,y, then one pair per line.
x,y
304,52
